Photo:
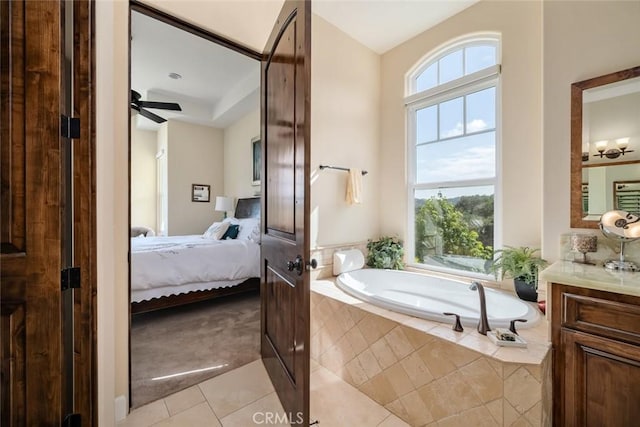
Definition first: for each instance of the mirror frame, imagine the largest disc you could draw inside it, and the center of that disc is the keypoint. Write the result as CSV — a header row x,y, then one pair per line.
x,y
577,88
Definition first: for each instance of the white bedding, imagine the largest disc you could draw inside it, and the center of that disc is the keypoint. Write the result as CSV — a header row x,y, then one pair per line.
x,y
177,264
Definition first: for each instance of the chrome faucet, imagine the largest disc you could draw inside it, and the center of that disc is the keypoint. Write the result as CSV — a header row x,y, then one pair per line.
x,y
483,322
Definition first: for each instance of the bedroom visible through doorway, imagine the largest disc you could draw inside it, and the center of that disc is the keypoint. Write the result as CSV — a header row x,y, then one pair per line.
x,y
194,205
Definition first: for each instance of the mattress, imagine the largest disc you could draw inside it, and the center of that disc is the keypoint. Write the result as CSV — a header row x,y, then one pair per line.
x,y
162,266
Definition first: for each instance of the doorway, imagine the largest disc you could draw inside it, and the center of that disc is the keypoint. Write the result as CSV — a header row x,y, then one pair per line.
x,y
195,120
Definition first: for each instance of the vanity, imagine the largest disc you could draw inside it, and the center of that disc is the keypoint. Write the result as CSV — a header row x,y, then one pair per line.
x,y
595,332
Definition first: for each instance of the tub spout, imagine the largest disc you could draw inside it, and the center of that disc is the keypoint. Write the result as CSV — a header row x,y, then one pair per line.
x,y
483,322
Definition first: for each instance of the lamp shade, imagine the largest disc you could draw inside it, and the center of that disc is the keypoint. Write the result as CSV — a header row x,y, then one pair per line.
x,y
224,204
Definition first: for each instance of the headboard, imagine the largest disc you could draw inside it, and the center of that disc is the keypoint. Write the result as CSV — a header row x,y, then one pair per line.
x,y
248,208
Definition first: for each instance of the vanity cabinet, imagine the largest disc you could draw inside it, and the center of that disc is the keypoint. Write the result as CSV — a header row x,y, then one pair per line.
x,y
596,365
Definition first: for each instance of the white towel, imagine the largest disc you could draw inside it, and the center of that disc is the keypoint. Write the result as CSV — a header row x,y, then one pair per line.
x,y
354,187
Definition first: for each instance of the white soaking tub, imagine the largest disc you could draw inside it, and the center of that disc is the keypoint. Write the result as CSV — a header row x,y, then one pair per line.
x,y
429,296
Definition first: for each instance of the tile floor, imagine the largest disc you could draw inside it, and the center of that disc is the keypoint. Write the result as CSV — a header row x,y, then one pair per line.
x,y
244,396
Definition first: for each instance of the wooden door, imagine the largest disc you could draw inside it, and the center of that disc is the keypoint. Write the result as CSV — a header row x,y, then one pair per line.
x,y
285,206
602,381
45,376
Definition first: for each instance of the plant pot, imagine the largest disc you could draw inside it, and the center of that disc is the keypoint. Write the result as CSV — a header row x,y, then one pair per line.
x,y
525,291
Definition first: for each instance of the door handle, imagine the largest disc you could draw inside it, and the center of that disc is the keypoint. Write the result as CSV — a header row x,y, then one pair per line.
x,y
296,264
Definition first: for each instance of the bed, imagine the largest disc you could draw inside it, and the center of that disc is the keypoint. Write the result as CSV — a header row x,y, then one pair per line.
x,y
177,270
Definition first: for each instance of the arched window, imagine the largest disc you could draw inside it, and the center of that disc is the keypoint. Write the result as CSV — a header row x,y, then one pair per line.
x,y
453,127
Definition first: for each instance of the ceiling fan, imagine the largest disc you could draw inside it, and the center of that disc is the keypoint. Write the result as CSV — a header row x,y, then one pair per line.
x,y
140,105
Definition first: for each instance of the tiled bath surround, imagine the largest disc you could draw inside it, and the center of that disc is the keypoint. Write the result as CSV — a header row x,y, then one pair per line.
x,y
424,372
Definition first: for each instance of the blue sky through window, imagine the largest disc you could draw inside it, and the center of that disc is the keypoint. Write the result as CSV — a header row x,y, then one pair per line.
x,y
467,157
456,64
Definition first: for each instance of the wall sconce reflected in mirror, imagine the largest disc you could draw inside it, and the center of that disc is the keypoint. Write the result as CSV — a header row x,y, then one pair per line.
x,y
585,151
611,153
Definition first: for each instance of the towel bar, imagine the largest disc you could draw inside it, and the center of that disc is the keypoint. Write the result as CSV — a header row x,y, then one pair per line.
x,y
339,168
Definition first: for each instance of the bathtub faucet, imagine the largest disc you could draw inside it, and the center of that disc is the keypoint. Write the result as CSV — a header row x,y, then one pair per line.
x,y
483,322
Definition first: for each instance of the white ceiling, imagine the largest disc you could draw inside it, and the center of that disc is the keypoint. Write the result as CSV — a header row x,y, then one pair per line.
x,y
219,86
384,24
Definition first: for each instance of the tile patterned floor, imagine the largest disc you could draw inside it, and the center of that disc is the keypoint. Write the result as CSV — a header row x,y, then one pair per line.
x,y
244,396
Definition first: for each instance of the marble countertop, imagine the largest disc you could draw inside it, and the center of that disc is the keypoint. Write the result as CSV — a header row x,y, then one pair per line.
x,y
592,277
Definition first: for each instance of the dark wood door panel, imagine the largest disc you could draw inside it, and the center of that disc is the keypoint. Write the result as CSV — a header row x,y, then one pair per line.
x,y
602,381
12,109
280,167
12,349
32,194
280,327
285,130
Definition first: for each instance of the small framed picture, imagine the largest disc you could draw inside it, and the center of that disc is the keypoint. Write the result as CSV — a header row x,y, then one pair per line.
x,y
256,150
200,192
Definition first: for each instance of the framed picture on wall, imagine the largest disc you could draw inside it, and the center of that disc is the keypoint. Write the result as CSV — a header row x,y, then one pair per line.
x,y
200,192
256,151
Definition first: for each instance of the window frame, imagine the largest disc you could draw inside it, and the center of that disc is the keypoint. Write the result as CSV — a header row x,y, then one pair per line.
x,y
465,85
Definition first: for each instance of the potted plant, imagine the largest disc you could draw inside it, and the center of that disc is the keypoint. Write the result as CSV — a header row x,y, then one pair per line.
x,y
386,252
522,265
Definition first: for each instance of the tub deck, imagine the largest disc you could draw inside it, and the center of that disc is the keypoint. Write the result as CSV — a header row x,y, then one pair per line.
x,y
423,371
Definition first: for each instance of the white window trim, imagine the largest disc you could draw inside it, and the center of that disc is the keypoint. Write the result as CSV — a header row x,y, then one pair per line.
x,y
444,49
482,79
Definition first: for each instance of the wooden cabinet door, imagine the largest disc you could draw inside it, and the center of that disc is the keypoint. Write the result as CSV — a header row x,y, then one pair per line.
x,y
601,382
285,208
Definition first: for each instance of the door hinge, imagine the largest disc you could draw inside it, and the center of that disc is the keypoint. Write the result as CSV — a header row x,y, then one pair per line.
x,y
70,127
72,420
70,278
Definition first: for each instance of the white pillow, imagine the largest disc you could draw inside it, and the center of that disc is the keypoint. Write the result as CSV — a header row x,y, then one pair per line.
x,y
216,230
249,229
231,220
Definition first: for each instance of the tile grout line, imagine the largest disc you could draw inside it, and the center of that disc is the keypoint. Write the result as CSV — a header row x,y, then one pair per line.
x,y
209,404
164,419
250,403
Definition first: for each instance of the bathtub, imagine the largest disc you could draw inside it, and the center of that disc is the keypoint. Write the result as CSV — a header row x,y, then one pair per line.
x,y
429,296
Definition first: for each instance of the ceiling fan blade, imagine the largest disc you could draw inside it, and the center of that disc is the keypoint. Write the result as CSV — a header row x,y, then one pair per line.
x,y
135,96
149,115
160,105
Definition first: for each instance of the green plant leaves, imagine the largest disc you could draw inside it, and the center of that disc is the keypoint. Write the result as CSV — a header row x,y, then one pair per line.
x,y
386,252
519,263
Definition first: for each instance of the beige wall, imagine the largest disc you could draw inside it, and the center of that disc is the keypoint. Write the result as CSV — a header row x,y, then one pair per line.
x,y
144,191
345,105
520,143
195,155
112,234
579,43
112,115
581,40
238,163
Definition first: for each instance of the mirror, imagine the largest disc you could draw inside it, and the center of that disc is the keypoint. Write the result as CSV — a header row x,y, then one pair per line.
x,y
605,145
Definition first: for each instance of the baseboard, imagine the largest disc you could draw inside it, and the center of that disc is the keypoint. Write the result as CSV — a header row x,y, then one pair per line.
x,y
121,408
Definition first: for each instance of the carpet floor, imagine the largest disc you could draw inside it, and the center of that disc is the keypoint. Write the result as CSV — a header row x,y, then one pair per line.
x,y
175,348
